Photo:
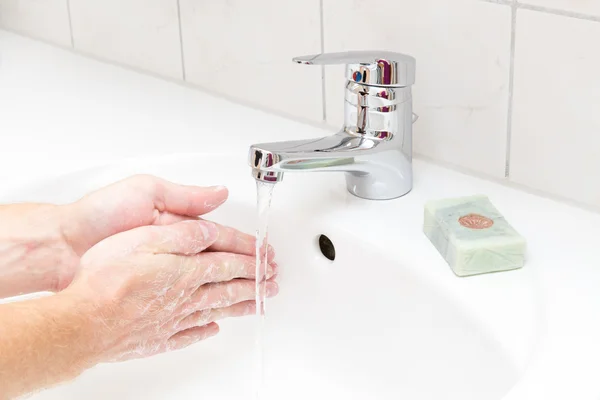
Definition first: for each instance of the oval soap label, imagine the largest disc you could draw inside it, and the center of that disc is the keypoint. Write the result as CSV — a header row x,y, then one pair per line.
x,y
475,221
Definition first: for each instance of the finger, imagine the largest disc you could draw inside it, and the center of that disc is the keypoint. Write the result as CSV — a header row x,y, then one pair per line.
x,y
225,294
183,238
166,218
188,200
209,315
190,336
233,241
223,267
178,199
207,267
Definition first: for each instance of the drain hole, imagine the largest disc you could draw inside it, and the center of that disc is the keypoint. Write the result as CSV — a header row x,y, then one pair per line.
x,y
327,247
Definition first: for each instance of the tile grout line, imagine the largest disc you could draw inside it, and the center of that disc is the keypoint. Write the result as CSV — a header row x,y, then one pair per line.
x,y
556,11
511,87
70,23
183,74
323,91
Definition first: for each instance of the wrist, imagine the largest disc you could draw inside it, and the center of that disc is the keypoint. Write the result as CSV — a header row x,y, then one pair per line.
x,y
67,227
55,252
85,324
33,253
96,317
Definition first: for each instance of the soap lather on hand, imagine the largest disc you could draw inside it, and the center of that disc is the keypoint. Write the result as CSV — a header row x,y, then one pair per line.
x,y
472,236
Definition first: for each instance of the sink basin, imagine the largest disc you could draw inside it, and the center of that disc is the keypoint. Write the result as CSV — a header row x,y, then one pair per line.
x,y
386,320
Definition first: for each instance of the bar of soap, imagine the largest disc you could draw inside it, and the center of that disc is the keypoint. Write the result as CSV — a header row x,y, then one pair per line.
x,y
472,236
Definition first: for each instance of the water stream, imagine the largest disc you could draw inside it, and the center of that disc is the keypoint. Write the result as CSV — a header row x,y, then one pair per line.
x,y
264,193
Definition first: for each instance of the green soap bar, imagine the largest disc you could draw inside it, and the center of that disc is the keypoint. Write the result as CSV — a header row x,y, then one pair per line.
x,y
472,235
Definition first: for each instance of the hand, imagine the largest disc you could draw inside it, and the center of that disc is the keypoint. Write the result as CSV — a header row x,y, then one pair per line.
x,y
154,289
140,201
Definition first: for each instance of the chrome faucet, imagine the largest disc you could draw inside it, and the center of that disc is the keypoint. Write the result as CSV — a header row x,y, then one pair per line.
x,y
374,147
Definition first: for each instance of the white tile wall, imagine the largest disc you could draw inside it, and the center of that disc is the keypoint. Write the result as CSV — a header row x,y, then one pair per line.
x,y
44,19
462,49
586,7
140,33
243,49
556,122
465,62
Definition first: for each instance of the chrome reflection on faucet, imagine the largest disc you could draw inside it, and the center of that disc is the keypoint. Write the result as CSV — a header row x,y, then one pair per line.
x,y
374,147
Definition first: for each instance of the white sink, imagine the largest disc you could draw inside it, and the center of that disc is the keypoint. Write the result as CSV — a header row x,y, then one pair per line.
x,y
386,320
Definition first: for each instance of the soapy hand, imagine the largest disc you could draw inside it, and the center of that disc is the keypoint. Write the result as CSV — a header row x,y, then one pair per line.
x,y
154,289
136,271
141,201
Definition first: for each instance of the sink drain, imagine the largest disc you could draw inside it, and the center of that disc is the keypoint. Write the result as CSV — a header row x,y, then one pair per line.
x,y
327,247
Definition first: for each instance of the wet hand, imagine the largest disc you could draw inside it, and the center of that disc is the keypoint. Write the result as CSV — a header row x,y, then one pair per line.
x,y
154,289
141,201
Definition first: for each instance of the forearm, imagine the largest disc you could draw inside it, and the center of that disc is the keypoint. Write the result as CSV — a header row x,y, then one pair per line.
x,y
43,342
33,252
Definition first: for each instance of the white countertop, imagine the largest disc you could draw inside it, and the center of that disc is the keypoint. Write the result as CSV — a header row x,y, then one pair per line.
x,y
61,112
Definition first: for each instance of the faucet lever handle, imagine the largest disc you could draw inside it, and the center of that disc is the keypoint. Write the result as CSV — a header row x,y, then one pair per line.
x,y
376,68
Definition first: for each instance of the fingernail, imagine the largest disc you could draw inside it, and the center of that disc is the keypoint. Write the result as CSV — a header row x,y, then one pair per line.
x,y
272,269
272,289
223,200
213,329
271,252
209,230
251,308
219,188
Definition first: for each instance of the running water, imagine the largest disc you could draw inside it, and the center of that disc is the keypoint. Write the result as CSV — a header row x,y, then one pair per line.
x,y
264,193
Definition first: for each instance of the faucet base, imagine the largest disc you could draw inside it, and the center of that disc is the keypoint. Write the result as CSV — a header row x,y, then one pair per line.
x,y
367,187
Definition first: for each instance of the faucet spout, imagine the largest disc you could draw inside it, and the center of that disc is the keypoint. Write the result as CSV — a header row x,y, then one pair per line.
x,y
323,154
375,168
